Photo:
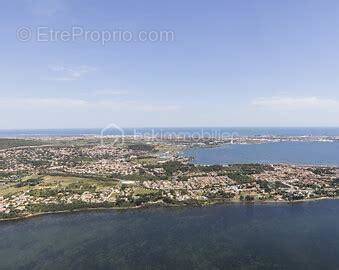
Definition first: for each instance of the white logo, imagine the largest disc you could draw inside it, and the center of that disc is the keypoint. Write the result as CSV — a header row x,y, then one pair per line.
x,y
113,132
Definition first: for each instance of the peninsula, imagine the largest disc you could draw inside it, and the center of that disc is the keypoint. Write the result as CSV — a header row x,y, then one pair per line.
x,y
43,175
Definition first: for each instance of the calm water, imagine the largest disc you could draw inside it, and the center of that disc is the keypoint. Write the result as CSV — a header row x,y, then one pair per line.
x,y
272,236
307,153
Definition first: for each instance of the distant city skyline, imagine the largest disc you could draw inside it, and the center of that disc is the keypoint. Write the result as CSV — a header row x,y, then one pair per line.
x,y
221,64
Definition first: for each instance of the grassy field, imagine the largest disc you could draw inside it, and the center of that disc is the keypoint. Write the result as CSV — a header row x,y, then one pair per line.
x,y
54,182
9,190
9,143
143,191
146,160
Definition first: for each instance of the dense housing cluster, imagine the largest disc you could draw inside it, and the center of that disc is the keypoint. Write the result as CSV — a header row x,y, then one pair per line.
x,y
76,173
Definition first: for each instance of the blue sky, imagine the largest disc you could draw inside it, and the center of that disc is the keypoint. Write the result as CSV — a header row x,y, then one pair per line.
x,y
230,63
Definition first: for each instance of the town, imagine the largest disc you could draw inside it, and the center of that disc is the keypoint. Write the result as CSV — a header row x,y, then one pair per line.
x,y
43,175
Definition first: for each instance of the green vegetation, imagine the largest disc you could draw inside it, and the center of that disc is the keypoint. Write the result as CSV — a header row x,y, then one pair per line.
x,y
140,191
29,182
322,171
134,177
150,197
146,160
9,143
171,167
247,198
40,208
12,214
45,192
239,177
220,194
270,186
336,181
141,147
250,168
211,168
81,186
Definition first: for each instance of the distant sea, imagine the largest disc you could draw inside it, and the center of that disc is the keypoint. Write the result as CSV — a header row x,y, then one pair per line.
x,y
196,131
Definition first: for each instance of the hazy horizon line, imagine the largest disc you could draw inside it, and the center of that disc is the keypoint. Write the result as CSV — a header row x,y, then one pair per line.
x,y
165,127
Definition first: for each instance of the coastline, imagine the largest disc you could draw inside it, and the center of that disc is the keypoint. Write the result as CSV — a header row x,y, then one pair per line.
x,y
174,153
230,202
67,211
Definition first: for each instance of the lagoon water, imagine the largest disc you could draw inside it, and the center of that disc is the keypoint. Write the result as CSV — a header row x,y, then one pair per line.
x,y
237,236
305,153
